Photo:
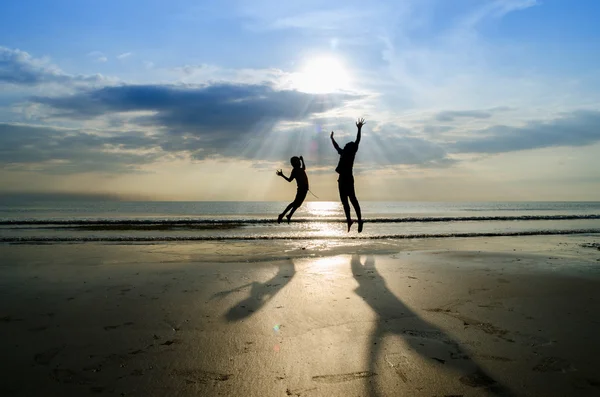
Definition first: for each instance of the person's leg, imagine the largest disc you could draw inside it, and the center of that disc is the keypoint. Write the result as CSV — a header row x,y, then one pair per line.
x,y
280,217
289,216
300,196
356,205
344,199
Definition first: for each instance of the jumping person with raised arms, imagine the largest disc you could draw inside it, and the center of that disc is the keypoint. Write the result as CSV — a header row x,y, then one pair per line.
x,y
346,179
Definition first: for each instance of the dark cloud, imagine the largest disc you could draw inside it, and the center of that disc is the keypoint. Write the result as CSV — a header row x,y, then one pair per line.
x,y
579,128
19,68
219,119
71,151
389,145
451,115
393,145
200,110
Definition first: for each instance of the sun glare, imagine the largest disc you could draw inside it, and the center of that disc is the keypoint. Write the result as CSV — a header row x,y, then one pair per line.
x,y
322,75
323,209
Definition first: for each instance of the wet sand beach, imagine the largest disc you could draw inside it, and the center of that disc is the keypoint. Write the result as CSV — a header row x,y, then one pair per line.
x,y
433,317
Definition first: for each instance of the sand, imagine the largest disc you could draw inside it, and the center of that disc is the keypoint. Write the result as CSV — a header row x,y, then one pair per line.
x,y
448,317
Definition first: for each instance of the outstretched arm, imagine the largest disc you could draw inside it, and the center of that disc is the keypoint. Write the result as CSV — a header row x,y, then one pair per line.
x,y
359,125
303,163
280,173
335,145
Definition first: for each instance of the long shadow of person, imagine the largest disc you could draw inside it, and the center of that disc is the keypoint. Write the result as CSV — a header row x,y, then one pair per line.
x,y
260,293
422,337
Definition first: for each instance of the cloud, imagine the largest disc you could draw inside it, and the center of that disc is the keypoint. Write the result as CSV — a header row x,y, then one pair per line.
x,y
394,145
381,147
217,111
579,128
70,151
452,115
56,150
202,73
98,56
19,68
319,20
306,15
124,55
495,9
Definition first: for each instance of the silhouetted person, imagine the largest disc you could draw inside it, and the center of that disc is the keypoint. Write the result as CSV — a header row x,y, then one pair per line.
x,y
346,179
299,174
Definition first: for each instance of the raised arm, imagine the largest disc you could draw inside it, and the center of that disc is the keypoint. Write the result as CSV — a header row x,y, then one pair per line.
x,y
359,125
280,173
335,145
303,163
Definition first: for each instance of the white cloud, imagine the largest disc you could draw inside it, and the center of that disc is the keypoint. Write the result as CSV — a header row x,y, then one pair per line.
x,y
494,9
97,56
124,55
19,68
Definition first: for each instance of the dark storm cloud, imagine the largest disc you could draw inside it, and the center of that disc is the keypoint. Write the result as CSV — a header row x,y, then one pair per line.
x,y
578,128
19,68
71,151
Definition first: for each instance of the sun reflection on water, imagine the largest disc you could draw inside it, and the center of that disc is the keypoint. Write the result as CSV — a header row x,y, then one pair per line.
x,y
320,209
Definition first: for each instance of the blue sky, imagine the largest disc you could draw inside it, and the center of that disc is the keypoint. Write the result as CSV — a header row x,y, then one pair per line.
x,y
186,100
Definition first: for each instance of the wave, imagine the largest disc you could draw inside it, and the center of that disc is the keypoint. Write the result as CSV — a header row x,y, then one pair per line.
x,y
264,237
250,221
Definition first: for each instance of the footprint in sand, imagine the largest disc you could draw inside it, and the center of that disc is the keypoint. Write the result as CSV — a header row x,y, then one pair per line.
x,y
9,319
297,392
69,376
46,357
553,364
478,379
111,327
201,376
342,377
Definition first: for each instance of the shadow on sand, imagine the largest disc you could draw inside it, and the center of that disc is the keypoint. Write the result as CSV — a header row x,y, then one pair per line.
x,y
394,318
260,293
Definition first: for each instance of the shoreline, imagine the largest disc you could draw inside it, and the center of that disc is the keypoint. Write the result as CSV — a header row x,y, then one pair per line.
x,y
183,238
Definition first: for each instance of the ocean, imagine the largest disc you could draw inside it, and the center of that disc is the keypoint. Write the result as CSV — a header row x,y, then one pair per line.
x,y
128,221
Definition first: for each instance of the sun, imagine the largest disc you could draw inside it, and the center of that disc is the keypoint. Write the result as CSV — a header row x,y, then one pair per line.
x,y
322,75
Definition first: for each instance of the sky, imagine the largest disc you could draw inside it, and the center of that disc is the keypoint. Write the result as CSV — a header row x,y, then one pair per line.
x,y
470,100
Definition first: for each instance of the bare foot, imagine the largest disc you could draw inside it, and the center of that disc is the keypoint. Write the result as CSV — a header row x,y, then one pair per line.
x,y
360,226
349,225
279,218
288,218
